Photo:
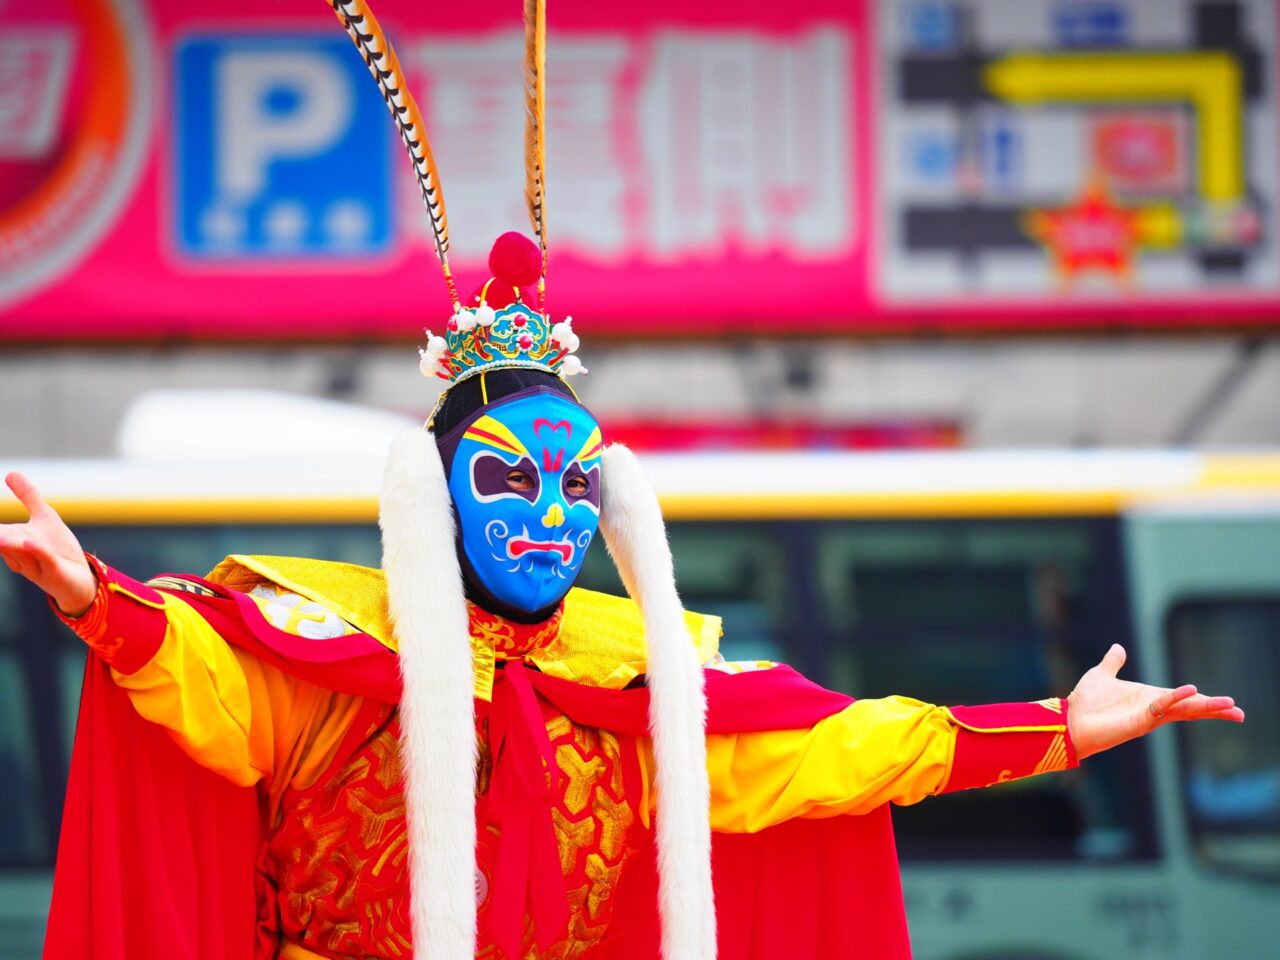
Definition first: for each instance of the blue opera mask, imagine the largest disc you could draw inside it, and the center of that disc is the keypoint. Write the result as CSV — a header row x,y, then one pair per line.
x,y
525,479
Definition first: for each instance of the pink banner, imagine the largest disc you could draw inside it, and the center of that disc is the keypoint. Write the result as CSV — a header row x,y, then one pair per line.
x,y
226,170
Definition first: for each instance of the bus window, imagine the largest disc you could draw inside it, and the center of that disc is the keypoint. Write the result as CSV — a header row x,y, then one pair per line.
x,y
23,830
70,655
966,609
738,572
1231,773
989,611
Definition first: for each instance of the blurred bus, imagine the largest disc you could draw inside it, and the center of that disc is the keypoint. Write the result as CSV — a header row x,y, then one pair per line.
x,y
954,578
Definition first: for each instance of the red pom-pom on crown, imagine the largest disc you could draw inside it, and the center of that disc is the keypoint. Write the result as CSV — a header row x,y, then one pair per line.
x,y
515,260
516,264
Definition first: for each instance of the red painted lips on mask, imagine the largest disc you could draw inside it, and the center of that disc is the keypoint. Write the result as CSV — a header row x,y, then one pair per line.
x,y
517,547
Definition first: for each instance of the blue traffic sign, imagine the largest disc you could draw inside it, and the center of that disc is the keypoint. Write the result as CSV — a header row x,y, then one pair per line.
x,y
1000,141
1090,23
933,156
931,26
282,149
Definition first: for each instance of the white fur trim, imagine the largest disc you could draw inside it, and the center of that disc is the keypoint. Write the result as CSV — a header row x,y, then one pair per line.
x,y
631,522
437,715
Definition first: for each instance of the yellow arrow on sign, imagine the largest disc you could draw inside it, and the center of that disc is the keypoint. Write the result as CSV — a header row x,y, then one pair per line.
x,y
1210,81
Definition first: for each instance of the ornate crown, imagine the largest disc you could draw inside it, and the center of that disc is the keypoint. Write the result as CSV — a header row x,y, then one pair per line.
x,y
502,330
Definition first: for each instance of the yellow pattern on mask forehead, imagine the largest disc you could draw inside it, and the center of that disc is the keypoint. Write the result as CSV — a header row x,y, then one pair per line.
x,y
493,433
592,449
601,640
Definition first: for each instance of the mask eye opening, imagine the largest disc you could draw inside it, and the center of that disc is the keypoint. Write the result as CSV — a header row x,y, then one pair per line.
x,y
520,480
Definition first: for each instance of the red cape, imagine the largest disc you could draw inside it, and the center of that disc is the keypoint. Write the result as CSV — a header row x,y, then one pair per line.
x,y
158,856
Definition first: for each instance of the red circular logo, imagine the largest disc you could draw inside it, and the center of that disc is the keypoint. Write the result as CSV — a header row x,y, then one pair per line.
x,y
74,114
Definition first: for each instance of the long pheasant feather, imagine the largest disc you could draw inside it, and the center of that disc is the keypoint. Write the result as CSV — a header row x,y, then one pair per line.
x,y
535,105
380,57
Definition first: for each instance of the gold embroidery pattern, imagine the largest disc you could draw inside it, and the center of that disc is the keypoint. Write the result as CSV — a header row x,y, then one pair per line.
x,y
180,584
508,639
340,855
340,851
484,757
1055,758
592,819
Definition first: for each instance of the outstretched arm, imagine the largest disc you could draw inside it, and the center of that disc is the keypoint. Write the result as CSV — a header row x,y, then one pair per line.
x,y
900,751
1106,711
219,706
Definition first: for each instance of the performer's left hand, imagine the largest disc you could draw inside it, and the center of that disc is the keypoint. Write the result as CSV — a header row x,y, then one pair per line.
x,y
1104,711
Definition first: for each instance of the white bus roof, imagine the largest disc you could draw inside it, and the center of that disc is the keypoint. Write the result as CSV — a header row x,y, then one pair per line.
x,y
691,486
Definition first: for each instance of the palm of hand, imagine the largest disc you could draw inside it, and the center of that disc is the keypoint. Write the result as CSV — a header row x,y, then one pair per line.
x,y
45,551
1106,711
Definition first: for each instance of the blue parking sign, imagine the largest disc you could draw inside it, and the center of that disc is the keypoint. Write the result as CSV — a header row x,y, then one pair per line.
x,y
281,149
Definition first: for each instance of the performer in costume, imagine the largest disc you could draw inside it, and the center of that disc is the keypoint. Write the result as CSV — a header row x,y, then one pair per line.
x,y
459,755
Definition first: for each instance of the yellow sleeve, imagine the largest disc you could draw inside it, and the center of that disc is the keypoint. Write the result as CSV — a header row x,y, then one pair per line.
x,y
234,714
870,753
228,710
873,752
196,687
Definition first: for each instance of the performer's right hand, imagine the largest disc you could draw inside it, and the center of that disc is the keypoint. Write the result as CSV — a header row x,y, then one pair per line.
x,y
46,552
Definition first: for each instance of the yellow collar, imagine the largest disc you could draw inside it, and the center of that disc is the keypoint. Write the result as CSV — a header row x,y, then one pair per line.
x,y
600,641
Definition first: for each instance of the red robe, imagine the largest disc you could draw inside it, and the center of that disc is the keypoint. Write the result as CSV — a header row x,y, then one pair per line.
x,y
161,858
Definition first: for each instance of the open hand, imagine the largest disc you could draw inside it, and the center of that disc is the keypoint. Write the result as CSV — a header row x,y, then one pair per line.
x,y
46,552
1105,711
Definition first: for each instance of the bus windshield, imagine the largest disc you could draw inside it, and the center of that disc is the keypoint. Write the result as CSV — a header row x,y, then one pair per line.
x,y
987,611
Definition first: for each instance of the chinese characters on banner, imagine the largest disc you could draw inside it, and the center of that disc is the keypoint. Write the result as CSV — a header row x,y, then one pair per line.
x,y
660,145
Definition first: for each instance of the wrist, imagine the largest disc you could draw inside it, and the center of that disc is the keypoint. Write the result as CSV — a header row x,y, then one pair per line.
x,y
1073,710
79,600
126,622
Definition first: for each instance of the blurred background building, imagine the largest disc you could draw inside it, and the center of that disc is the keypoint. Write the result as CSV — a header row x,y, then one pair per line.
x,y
988,246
